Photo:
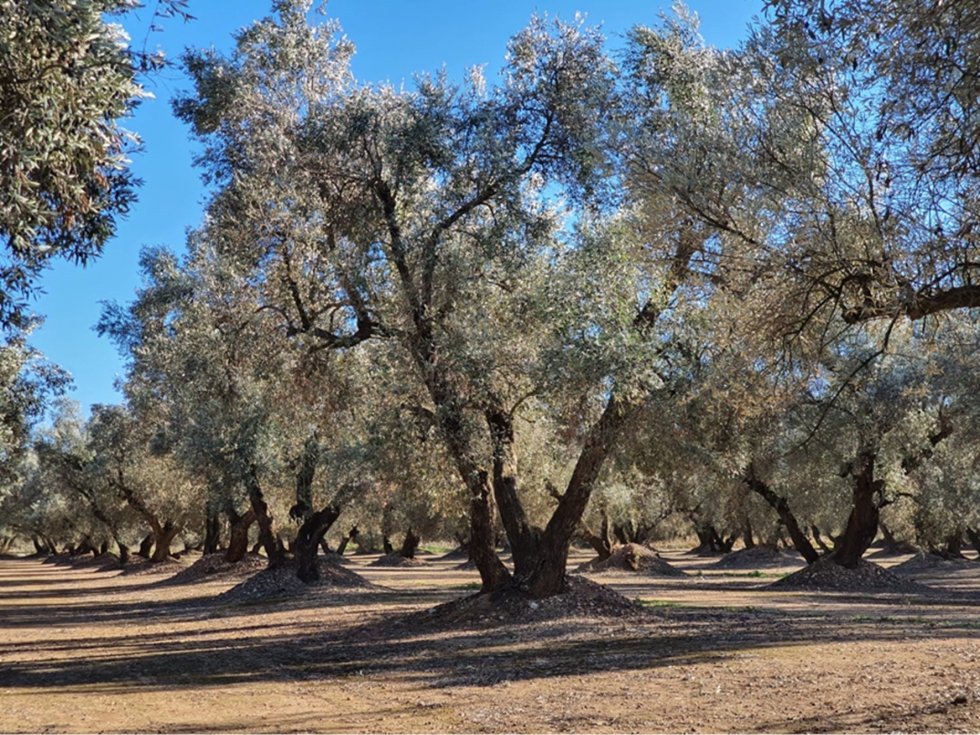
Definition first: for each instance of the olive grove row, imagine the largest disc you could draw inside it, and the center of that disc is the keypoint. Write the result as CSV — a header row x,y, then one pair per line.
x,y
602,289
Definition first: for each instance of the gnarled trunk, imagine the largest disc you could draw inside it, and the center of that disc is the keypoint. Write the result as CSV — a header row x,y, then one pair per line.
x,y
410,545
601,543
212,533
308,540
238,540
862,522
163,536
778,503
268,537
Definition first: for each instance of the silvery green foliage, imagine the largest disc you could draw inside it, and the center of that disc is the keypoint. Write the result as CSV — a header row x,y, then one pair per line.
x,y
435,221
40,502
28,383
836,158
68,76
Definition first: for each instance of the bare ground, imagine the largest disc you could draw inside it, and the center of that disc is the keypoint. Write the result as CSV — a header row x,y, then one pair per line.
x,y
86,650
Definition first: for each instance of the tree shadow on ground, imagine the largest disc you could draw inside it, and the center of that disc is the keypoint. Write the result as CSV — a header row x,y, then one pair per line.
x,y
155,645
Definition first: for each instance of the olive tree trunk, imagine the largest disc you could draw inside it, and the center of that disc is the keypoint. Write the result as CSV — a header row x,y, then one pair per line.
x,y
862,522
778,503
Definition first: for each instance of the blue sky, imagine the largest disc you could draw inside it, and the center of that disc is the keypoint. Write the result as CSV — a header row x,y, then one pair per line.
x,y
394,40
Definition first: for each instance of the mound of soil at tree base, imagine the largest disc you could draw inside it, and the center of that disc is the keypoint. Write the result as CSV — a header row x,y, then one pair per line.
x,y
215,566
758,557
104,562
632,558
923,563
901,549
583,598
394,559
62,559
455,555
826,576
139,566
282,583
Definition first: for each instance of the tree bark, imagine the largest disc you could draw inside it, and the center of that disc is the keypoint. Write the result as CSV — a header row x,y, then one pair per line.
x,y
268,537
548,574
778,503
893,545
212,533
410,545
308,541
862,522
304,478
162,538
971,533
238,542
351,536
524,538
747,538
600,544
146,545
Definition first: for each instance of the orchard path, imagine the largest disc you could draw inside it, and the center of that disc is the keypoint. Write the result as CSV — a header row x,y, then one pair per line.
x,y
83,650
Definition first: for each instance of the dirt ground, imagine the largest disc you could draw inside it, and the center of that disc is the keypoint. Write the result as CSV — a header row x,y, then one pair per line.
x,y
83,650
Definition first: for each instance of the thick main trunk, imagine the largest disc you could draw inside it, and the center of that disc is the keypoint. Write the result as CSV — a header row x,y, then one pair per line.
x,y
304,479
268,537
524,539
862,522
163,536
493,573
548,577
308,540
238,535
212,533
410,545
146,545
778,503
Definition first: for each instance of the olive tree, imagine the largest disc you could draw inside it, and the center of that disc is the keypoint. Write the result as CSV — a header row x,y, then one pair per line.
x,y
68,76
462,226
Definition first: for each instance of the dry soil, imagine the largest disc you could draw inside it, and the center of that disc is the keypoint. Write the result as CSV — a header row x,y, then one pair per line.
x,y
88,650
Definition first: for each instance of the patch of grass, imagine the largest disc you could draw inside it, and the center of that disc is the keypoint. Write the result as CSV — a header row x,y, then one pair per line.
x,y
657,603
436,549
467,586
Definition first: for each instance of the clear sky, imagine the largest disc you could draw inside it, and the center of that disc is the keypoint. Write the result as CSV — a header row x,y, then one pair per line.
x,y
394,40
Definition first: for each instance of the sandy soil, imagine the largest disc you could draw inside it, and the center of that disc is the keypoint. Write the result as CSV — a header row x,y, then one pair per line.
x,y
84,650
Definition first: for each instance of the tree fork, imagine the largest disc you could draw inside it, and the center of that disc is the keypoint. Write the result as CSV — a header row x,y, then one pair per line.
x,y
308,540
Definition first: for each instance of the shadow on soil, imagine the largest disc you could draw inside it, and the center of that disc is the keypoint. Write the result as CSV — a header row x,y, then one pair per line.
x,y
164,645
